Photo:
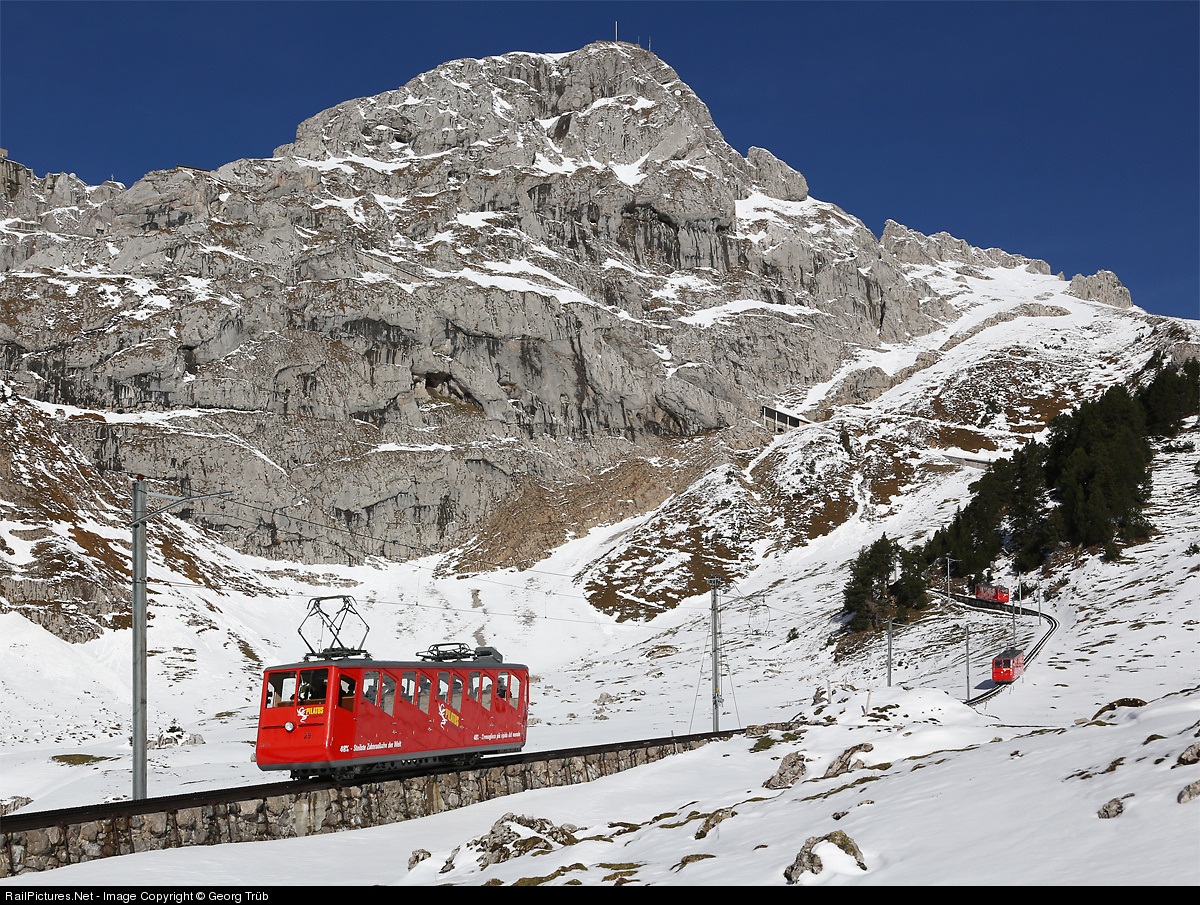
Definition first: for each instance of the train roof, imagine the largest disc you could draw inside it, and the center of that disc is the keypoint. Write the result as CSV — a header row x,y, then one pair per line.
x,y
455,653
366,662
1010,653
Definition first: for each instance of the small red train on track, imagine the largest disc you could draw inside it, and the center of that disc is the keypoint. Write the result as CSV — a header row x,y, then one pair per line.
x,y
340,713
1008,666
993,592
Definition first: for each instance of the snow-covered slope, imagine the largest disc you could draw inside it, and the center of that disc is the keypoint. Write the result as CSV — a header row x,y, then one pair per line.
x,y
1006,793
943,780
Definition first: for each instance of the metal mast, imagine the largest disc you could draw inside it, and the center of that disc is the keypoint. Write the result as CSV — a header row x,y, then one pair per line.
x,y
138,567
139,638
889,653
968,634
715,583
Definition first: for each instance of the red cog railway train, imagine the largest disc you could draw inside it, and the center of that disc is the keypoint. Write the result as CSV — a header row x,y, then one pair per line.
x,y
340,713
1008,666
993,592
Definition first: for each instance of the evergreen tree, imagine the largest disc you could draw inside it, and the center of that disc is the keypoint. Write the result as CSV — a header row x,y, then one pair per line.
x,y
1173,394
858,597
1097,463
1086,486
873,595
909,589
1030,535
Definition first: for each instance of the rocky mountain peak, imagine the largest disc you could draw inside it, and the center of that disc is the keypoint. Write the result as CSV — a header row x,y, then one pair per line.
x,y
511,300
611,123
912,247
1102,286
607,105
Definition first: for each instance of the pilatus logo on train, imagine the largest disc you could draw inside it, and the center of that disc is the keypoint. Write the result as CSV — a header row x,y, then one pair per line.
x,y
448,716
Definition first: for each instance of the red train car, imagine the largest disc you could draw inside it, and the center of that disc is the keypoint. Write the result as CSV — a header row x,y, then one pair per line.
x,y
342,714
1008,666
992,592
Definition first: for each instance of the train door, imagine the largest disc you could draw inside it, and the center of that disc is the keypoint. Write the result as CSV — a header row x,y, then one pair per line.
x,y
343,704
410,726
475,715
415,710
520,701
508,704
480,691
446,712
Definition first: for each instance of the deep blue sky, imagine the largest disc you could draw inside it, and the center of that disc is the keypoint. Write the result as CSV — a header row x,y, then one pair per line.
x,y
1067,131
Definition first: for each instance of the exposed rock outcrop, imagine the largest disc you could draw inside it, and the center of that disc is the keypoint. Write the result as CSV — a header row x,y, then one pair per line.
x,y
1102,286
911,247
808,861
848,760
791,768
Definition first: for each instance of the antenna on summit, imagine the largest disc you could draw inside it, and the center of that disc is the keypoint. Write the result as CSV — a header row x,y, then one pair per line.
x,y
614,29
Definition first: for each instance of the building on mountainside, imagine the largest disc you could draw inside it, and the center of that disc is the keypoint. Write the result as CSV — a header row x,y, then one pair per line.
x,y
780,421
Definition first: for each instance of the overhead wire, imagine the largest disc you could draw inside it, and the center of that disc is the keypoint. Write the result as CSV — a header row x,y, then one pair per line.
x,y
359,537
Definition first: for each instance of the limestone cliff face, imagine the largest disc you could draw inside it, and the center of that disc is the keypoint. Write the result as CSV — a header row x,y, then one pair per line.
x,y
1102,286
508,275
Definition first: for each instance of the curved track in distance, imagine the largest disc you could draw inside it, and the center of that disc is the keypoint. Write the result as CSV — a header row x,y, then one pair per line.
x,y
1005,609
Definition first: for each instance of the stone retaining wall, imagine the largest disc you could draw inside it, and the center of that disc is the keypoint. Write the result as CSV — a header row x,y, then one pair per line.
x,y
289,816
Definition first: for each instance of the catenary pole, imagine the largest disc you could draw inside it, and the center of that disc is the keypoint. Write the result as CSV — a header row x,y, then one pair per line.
x,y
139,638
968,631
715,583
889,653
138,569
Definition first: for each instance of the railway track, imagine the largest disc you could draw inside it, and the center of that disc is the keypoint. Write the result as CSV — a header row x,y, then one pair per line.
x,y
1005,609
214,798
117,810
212,816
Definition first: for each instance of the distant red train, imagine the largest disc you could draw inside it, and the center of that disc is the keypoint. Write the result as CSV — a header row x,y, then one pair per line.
x,y
341,714
1008,666
993,592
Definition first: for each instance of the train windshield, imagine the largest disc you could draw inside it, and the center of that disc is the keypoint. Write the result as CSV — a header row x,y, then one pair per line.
x,y
282,686
281,689
314,684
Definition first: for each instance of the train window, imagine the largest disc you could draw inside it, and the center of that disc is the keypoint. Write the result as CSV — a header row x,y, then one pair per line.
x,y
423,695
502,686
514,689
346,687
370,687
485,692
443,686
314,684
408,686
281,689
388,701
456,693
473,686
